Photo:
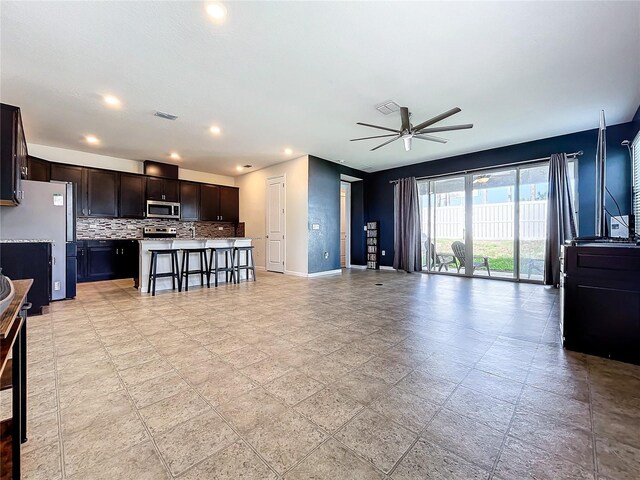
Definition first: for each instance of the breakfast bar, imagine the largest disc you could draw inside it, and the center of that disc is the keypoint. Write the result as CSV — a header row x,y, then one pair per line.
x,y
164,262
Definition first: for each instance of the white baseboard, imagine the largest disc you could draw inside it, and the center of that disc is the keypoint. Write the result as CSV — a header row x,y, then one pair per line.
x,y
258,267
383,267
295,274
326,272
358,267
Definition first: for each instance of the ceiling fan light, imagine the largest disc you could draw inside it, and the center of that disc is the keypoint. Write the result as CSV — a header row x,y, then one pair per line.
x,y
407,143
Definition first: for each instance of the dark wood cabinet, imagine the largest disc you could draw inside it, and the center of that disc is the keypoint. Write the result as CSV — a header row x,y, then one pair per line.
x,y
127,259
100,260
132,195
71,173
163,189
29,260
219,204
210,203
38,170
229,204
102,193
189,201
13,155
107,259
600,300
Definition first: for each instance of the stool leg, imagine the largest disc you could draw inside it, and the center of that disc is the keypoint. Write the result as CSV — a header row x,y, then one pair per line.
x,y
185,256
155,270
215,270
150,272
253,265
203,261
175,258
209,269
186,277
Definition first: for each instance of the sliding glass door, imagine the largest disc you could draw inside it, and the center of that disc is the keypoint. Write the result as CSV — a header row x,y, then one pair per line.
x,y
489,223
443,206
493,233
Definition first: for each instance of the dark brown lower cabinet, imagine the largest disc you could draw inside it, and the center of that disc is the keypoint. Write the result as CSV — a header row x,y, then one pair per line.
x,y
107,260
601,301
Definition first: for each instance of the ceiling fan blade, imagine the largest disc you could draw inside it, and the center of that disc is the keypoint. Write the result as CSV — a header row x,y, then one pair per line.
x,y
446,129
377,136
396,137
437,118
377,126
431,138
404,114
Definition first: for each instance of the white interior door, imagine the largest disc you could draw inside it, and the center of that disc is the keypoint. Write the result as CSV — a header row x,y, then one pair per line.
x,y
275,224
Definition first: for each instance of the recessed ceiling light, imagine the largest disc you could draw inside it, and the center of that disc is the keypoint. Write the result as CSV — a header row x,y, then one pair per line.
x,y
217,11
111,101
239,168
91,139
288,151
174,156
215,130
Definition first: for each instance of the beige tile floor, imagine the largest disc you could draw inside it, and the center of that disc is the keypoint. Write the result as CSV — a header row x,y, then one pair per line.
x,y
422,377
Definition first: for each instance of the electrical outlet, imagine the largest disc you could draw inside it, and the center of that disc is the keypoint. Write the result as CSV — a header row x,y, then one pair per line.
x,y
315,226
326,255
220,228
56,286
131,227
383,253
93,226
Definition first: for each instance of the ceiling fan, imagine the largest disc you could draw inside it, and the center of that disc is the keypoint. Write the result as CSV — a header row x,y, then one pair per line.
x,y
421,131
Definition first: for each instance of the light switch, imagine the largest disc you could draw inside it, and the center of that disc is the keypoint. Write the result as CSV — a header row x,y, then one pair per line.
x,y
315,226
364,228
383,253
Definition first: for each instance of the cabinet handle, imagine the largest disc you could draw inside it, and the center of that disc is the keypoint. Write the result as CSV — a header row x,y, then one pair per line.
x,y
89,211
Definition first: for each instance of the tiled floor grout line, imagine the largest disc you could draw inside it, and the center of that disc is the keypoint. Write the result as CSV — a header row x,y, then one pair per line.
x,y
260,327
133,404
59,407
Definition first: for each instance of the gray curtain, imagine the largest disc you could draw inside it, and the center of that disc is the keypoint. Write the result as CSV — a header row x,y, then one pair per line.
x,y
406,209
561,223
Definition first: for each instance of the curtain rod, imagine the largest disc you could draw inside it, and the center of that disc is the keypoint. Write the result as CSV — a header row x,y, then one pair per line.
x,y
524,162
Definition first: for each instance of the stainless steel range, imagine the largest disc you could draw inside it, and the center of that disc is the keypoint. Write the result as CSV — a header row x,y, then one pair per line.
x,y
160,232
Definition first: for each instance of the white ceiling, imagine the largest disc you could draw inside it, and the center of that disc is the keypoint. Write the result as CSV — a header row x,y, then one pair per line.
x,y
301,74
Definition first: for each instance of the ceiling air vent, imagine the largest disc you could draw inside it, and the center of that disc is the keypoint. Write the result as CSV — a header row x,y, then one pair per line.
x,y
388,107
166,116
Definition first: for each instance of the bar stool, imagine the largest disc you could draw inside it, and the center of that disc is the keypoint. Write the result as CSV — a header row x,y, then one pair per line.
x,y
203,270
248,265
153,269
214,268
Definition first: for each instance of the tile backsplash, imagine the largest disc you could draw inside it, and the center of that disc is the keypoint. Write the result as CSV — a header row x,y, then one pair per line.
x,y
131,228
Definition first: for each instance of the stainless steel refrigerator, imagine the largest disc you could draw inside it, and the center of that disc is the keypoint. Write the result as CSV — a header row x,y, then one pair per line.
x,y
47,211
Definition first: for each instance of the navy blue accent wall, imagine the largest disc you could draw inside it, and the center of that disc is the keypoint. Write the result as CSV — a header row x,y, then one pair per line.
x,y
379,192
324,209
358,219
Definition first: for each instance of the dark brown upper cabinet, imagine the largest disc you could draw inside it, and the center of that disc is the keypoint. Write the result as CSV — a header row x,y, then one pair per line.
x,y
38,170
189,201
210,202
13,157
102,193
229,204
132,195
70,173
163,189
219,204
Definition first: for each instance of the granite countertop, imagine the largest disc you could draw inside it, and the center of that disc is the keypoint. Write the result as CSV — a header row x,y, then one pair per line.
x,y
200,239
27,240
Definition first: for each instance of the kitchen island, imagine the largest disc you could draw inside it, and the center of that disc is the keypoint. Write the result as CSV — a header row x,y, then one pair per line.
x,y
164,261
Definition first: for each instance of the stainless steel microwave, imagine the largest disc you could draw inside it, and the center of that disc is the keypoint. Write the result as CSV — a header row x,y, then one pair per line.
x,y
157,209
